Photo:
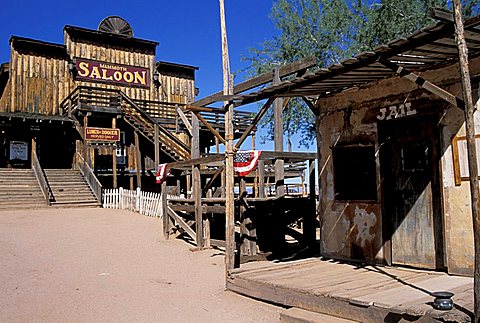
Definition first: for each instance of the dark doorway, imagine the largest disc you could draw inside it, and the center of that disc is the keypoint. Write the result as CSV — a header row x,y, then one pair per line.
x,y
412,217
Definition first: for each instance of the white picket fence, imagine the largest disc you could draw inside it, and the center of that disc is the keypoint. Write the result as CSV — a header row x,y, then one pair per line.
x,y
146,203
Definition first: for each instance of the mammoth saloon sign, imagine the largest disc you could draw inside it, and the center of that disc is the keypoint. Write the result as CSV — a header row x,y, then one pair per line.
x,y
95,71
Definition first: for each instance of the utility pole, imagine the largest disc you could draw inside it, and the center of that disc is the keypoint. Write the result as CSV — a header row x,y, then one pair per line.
x,y
471,149
229,176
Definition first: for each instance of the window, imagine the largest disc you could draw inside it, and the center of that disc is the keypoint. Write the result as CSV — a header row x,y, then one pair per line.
x,y
354,172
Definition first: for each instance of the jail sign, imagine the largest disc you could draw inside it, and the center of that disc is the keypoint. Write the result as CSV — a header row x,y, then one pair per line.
x,y
95,71
102,134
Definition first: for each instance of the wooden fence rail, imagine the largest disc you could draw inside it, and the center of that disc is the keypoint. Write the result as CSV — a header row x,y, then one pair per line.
x,y
146,203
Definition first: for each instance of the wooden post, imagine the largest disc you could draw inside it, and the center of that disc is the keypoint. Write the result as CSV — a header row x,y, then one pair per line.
x,y
138,160
471,149
261,178
33,150
196,177
114,156
310,223
166,217
278,139
157,145
229,175
197,195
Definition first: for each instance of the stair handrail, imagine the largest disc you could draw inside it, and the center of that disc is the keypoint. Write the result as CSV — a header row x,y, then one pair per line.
x,y
153,122
89,176
41,179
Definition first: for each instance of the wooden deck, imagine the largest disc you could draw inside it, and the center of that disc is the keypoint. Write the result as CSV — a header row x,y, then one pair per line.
x,y
359,293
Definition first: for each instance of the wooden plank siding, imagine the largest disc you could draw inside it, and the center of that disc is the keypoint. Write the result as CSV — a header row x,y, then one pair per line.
x,y
39,79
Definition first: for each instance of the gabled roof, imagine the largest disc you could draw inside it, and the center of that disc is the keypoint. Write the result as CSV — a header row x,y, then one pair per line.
x,y
430,48
108,38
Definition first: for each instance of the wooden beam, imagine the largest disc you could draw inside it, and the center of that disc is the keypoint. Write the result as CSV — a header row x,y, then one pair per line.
x,y
196,161
197,195
278,139
185,120
114,157
311,106
471,150
287,155
209,127
212,179
138,158
156,142
430,87
182,223
261,178
166,220
285,70
310,219
254,123
229,152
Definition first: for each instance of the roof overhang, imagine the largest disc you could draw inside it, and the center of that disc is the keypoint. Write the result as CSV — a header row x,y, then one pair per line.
x,y
427,49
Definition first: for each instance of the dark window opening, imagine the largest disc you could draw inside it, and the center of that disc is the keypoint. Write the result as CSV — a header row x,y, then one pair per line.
x,y
354,172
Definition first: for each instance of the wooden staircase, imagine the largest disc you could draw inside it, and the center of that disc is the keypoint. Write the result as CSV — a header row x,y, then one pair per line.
x,y
70,189
19,189
145,124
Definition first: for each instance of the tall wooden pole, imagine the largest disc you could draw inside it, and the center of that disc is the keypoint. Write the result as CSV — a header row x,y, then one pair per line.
x,y
229,176
278,138
471,149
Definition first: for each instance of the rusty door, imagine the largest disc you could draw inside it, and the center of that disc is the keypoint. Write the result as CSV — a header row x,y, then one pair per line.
x,y
411,201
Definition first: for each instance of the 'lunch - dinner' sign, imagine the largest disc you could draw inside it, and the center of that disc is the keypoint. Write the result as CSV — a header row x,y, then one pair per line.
x,y
88,70
102,134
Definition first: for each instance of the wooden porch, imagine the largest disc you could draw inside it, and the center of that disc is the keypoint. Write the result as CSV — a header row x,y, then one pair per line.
x,y
355,292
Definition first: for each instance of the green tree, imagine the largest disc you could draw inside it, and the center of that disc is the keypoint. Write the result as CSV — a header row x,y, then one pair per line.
x,y
332,30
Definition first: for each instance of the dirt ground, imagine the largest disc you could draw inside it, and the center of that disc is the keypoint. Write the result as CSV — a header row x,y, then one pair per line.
x,y
100,265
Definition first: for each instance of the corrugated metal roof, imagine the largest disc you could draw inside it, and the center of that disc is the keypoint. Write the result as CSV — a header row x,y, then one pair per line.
x,y
428,48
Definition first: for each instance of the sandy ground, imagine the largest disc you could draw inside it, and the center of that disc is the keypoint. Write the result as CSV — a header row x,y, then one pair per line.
x,y
99,265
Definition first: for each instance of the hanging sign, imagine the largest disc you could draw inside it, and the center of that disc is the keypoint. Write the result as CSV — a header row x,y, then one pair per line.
x,y
102,134
96,71
18,150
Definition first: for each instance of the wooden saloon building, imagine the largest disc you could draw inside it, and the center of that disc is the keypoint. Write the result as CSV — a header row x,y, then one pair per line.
x,y
100,100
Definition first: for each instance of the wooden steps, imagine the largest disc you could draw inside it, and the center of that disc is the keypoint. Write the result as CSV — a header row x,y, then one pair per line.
x,y
19,189
70,189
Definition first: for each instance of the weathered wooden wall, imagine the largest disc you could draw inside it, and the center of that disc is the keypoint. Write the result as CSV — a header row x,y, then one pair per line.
x,y
37,83
362,105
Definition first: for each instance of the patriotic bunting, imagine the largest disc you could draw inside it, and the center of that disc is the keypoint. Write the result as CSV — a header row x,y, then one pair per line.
x,y
245,162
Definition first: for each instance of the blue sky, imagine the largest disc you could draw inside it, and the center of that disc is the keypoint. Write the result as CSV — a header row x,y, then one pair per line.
x,y
188,31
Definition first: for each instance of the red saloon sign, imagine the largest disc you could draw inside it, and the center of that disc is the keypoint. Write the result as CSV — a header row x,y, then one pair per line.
x,y
95,71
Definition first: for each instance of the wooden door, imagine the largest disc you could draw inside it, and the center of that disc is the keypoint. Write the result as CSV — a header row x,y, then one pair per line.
x,y
412,217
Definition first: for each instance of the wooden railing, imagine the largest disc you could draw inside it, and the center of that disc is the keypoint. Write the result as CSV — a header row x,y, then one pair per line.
x,y
90,177
41,179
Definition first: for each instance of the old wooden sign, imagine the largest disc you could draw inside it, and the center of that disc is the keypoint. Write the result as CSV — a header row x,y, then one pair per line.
x,y
102,134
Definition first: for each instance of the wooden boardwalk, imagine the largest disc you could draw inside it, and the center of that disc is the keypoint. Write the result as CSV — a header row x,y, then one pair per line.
x,y
359,293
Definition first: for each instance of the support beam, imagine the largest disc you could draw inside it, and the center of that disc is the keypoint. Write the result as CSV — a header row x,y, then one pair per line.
x,y
185,120
156,142
261,178
212,179
254,123
430,87
310,219
311,106
114,157
209,127
278,139
285,70
166,218
138,160
197,196
471,149
181,223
